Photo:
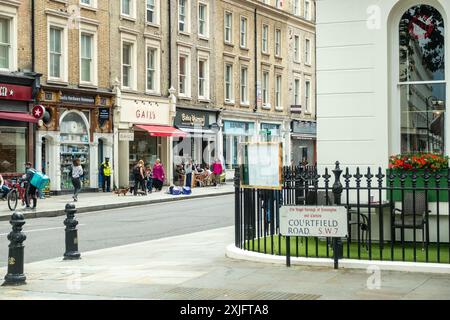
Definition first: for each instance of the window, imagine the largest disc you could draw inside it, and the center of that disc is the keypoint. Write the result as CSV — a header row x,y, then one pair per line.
x,y
127,65
308,51
13,149
296,48
265,34
307,96
422,84
228,83
279,4
86,57
297,92
56,64
202,19
278,42
184,73
151,69
5,43
183,21
203,77
278,92
127,7
297,7
228,27
265,86
307,9
152,16
244,85
89,3
243,40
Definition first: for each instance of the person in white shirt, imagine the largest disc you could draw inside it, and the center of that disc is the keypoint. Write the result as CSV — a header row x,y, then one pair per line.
x,y
77,173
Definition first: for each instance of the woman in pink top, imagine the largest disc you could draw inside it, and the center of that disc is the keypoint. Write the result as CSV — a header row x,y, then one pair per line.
x,y
158,175
217,171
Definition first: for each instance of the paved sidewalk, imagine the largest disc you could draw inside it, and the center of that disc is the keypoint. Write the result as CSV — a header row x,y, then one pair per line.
x,y
88,202
194,267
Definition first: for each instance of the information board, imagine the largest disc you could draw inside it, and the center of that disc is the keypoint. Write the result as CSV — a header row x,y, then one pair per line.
x,y
261,165
309,221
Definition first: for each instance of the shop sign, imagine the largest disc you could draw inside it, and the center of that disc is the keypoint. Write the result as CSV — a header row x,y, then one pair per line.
x,y
192,118
305,127
15,92
126,136
238,128
38,112
313,221
142,112
77,99
103,114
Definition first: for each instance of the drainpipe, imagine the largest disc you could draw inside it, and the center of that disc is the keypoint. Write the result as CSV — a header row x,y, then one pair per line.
x,y
33,58
256,61
170,43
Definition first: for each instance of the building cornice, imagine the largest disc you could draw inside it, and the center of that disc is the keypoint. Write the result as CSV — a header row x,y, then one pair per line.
x,y
13,3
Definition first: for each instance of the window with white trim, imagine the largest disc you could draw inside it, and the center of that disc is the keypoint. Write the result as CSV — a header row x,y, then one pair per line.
x,y
153,69
127,65
183,16
56,64
228,82
228,23
243,32
128,8
244,85
87,57
203,20
89,3
203,76
307,9
265,88
5,44
152,11
184,73
279,4
296,48
308,51
278,42
265,36
297,92
307,96
297,7
278,85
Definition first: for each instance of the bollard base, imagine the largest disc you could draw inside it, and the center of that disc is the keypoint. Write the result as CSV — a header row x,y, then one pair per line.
x,y
72,256
14,280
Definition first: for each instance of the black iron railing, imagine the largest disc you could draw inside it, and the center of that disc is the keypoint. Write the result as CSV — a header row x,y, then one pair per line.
x,y
394,216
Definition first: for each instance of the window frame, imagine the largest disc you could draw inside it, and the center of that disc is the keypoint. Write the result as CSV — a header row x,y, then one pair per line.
x,y
206,21
230,84
10,14
91,5
278,42
297,49
308,51
308,97
130,40
265,39
132,14
153,46
278,91
186,53
265,89
156,12
243,35
62,25
205,58
230,27
186,15
246,101
91,31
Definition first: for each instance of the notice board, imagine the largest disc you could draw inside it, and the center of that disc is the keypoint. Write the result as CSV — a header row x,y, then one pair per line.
x,y
261,165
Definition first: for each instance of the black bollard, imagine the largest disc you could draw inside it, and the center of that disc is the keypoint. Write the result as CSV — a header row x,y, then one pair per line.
x,y
71,234
15,276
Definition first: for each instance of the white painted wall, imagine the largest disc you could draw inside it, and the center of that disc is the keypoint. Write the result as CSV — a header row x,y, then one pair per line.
x,y
357,96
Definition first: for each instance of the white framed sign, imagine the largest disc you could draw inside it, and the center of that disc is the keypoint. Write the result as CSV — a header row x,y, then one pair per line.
x,y
126,136
313,221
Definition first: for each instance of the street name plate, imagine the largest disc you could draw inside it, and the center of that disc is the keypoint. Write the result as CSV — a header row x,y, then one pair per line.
x,y
309,221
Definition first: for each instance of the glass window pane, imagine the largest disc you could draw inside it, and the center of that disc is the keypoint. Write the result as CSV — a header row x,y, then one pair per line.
x,y
13,149
422,54
4,30
422,118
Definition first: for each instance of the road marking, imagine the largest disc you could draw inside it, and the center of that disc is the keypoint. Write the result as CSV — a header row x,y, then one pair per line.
x,y
39,230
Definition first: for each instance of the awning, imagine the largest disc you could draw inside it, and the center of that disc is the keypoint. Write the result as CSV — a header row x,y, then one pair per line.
x,y
18,116
162,131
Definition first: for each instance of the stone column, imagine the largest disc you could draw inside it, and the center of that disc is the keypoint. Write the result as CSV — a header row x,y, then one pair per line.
x,y
93,164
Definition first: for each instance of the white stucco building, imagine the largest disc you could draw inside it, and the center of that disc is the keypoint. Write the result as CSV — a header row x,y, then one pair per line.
x,y
381,79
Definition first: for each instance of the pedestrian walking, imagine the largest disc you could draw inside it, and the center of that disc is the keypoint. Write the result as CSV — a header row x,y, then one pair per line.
x,y
149,179
188,171
4,190
139,176
77,173
158,175
30,193
217,171
106,170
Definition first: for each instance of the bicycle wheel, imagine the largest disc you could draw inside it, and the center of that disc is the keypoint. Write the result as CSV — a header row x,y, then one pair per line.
x,y
12,200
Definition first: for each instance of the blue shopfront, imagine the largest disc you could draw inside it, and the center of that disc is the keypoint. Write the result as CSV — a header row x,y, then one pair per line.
x,y
234,133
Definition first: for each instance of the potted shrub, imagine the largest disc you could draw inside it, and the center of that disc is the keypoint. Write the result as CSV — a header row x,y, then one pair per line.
x,y
419,164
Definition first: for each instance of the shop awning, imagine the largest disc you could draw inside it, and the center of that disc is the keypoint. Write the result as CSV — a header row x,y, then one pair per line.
x,y
162,131
18,116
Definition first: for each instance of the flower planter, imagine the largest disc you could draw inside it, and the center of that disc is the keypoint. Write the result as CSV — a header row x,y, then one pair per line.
x,y
432,194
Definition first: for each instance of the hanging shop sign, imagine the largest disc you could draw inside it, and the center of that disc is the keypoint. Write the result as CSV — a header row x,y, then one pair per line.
x,y
103,114
15,92
38,111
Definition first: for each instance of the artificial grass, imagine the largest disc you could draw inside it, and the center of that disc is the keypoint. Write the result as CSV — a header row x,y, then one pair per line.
x,y
320,250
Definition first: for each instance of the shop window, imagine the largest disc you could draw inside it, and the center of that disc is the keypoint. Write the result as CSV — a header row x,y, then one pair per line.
x,y
13,149
74,145
422,84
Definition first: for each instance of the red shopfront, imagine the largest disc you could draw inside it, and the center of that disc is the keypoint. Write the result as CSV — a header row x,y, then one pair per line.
x,y
17,125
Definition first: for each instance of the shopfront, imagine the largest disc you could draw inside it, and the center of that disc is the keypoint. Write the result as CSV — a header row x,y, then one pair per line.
x,y
77,125
201,141
234,133
270,132
17,125
144,132
303,142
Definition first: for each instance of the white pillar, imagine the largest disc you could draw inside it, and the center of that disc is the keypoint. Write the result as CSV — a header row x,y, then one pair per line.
x,y
93,164
38,152
56,159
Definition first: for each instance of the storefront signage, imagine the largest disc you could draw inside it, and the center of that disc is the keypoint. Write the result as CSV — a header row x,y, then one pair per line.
x,y
14,92
77,99
304,127
38,112
313,221
144,112
238,128
192,118
126,136
103,114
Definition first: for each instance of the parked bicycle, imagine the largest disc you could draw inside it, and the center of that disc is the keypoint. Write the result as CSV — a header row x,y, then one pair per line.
x,y
18,192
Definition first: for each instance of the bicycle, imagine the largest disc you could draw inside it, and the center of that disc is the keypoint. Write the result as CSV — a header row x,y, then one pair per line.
x,y
17,192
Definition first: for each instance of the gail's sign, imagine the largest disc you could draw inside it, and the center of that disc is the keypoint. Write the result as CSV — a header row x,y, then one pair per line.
x,y
139,112
308,221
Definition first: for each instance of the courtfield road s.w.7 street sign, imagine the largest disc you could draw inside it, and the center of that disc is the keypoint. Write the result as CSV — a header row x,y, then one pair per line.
x,y
309,221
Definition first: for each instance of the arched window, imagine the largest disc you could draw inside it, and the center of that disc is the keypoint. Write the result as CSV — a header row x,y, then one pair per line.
x,y
422,80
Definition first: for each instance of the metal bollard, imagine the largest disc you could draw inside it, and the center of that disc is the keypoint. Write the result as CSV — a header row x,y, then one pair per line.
x,y
15,276
71,234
